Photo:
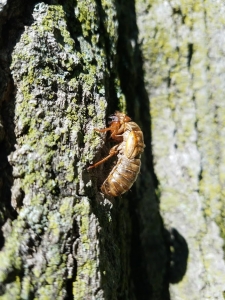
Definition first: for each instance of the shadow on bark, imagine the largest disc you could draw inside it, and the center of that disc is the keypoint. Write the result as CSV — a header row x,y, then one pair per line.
x,y
150,257
13,17
178,253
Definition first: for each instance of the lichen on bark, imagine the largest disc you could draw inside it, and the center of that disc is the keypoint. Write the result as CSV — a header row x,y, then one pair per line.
x,y
60,75
184,67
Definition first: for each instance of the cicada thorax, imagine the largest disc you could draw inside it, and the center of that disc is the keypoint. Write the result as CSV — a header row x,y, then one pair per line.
x,y
134,141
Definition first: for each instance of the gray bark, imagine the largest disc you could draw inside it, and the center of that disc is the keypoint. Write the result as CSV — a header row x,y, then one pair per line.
x,y
183,51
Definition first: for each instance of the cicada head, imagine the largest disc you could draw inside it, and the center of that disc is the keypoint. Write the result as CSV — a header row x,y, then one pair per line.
x,y
122,118
113,119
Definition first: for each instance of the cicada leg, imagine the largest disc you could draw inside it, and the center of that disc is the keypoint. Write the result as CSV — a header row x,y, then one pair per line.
x,y
116,137
115,130
113,151
102,130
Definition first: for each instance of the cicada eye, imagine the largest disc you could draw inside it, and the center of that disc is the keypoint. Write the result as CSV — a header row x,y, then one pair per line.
x,y
113,119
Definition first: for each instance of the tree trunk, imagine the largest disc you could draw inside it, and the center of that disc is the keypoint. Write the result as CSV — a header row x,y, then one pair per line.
x,y
183,51
65,66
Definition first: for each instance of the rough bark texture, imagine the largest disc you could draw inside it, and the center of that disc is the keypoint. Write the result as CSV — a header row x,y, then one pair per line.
x,y
183,50
64,66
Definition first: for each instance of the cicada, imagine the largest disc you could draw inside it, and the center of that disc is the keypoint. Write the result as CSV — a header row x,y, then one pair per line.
x,y
130,145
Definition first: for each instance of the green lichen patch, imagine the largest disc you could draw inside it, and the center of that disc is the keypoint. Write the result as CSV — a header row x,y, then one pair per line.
x,y
62,80
182,82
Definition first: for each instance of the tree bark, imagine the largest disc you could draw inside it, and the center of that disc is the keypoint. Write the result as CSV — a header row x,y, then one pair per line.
x,y
183,52
65,66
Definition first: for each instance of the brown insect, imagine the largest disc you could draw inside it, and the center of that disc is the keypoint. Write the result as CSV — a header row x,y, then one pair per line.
x,y
131,145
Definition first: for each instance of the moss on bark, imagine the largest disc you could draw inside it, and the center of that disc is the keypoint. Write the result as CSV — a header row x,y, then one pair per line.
x,y
184,68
